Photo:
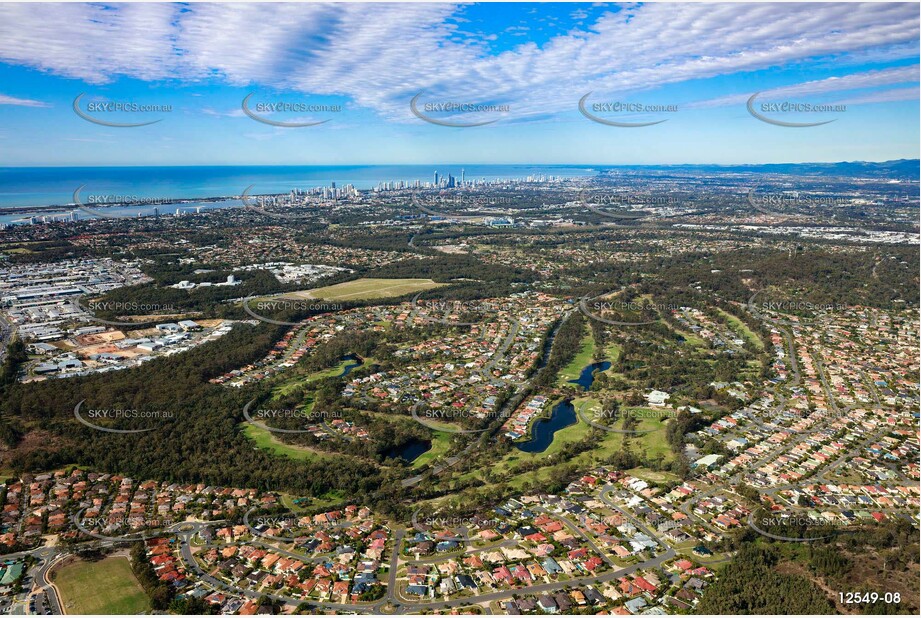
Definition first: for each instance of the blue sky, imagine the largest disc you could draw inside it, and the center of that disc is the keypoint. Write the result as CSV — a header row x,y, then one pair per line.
x,y
533,60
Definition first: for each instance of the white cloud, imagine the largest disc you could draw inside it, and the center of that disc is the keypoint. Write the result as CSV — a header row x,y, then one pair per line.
x,y
380,55
823,87
91,42
882,96
8,100
236,112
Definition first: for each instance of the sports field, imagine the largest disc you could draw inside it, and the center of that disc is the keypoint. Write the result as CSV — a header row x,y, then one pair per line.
x,y
104,587
366,289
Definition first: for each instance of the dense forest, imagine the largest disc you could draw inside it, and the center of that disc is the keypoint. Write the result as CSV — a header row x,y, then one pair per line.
x,y
751,585
199,441
766,576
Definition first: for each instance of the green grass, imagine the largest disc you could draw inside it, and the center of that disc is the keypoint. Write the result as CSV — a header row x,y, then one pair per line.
x,y
441,444
264,439
364,288
653,442
330,498
104,587
613,352
739,326
654,476
692,340
582,359
331,372
752,370
295,381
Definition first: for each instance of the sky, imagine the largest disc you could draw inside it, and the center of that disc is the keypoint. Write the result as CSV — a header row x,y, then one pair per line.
x,y
369,81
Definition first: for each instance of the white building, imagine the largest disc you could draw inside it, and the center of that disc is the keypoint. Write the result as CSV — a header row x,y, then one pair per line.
x,y
657,398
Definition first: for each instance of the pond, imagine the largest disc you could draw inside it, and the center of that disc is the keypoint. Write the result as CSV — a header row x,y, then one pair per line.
x,y
409,451
356,363
587,376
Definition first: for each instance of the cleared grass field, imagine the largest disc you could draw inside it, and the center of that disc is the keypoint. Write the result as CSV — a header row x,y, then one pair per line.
x,y
583,358
328,499
691,339
365,289
104,587
300,380
265,440
740,326
654,476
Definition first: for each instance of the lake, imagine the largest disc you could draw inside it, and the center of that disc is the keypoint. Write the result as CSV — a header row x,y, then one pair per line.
x,y
562,415
542,431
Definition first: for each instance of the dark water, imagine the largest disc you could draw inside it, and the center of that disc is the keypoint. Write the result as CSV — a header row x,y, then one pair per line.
x,y
562,415
410,451
588,374
356,363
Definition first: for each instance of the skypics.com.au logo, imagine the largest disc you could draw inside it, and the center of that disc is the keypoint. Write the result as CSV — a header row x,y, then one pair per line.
x,y
123,308
476,310
100,111
459,206
595,309
103,205
604,112
790,307
257,110
607,419
271,526
789,204
439,419
286,305
450,528
107,528
91,416
259,416
797,527
260,204
480,114
623,206
801,110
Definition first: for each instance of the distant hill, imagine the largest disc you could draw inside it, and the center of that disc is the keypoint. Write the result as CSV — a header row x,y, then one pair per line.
x,y
899,168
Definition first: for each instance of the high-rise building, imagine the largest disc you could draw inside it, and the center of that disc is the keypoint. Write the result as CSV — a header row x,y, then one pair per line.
x,y
462,177
436,178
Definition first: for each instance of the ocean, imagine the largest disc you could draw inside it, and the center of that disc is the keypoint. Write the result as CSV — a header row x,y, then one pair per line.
x,y
45,186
